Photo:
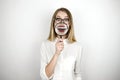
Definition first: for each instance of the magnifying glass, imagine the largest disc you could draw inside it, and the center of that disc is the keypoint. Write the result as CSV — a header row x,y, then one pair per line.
x,y
61,29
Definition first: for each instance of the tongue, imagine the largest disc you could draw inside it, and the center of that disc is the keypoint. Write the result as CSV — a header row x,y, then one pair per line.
x,y
61,30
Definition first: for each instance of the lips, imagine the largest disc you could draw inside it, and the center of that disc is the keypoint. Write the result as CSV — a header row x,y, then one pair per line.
x,y
61,26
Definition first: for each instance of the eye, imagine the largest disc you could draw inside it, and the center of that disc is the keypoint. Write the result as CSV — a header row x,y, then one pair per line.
x,y
66,19
58,19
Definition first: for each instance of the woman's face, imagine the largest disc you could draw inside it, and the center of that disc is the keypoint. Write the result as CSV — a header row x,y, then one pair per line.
x,y
61,23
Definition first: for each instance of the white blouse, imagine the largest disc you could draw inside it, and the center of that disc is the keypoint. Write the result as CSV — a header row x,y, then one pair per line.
x,y
68,63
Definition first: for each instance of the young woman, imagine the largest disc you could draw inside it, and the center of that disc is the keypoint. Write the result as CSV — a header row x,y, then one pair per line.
x,y
60,53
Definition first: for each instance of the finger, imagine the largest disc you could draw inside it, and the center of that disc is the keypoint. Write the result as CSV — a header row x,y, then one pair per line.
x,y
62,47
59,40
62,44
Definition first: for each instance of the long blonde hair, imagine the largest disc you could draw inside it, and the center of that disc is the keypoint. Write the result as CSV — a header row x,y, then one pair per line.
x,y
70,34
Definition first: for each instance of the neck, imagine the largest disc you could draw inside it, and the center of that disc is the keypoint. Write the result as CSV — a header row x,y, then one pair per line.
x,y
63,36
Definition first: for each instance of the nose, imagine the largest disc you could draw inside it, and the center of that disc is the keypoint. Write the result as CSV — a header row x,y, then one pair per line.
x,y
62,21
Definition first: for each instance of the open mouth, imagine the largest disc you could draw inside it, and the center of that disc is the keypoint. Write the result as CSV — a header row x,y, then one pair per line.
x,y
61,29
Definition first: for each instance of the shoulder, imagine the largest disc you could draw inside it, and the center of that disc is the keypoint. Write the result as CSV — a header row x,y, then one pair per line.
x,y
77,44
46,43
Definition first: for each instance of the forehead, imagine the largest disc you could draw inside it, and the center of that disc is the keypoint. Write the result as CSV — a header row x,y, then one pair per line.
x,y
61,14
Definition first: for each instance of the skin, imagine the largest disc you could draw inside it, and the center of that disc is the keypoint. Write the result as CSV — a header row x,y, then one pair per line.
x,y
59,47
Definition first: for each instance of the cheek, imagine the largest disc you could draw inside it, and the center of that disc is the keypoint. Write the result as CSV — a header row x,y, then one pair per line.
x,y
68,25
55,24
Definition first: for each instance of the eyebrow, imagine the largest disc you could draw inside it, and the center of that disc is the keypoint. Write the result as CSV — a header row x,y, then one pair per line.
x,y
65,16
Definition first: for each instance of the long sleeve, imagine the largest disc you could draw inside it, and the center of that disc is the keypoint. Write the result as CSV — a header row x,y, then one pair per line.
x,y
43,62
77,71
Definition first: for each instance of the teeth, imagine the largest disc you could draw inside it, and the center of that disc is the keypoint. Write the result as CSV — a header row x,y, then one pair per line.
x,y
62,28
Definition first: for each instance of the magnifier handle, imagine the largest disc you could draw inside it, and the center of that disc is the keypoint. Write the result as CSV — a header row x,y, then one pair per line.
x,y
61,36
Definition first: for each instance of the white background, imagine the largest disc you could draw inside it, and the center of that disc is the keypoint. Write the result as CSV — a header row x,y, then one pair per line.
x,y
24,24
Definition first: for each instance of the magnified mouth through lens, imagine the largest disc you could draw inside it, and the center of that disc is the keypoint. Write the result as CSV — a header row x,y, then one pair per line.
x,y
61,29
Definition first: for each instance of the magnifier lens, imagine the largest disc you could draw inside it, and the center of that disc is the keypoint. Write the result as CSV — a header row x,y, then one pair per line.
x,y
61,29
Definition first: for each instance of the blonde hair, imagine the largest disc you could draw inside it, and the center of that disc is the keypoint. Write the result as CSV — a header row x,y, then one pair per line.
x,y
70,34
